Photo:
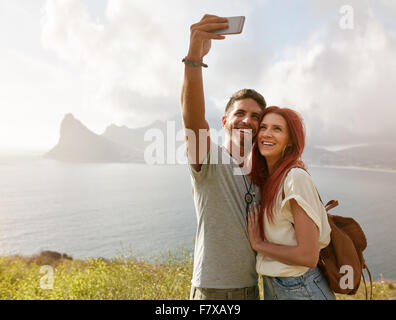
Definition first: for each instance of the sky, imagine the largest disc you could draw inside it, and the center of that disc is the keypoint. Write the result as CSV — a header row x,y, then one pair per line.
x,y
119,61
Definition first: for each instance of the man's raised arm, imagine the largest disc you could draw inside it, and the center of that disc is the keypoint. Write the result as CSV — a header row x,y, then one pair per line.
x,y
192,96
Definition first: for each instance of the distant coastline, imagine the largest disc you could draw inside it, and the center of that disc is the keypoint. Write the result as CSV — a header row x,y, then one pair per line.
x,y
39,155
354,168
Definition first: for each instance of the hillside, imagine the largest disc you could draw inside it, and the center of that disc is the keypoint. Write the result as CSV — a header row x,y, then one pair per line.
x,y
122,144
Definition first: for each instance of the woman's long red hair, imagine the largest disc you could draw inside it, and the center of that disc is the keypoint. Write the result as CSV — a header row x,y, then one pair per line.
x,y
269,184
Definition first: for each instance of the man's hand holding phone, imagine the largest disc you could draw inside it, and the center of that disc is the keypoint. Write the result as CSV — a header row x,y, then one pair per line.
x,y
210,28
192,96
202,33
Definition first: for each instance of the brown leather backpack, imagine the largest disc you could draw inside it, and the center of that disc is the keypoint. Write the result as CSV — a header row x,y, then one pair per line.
x,y
343,257
344,254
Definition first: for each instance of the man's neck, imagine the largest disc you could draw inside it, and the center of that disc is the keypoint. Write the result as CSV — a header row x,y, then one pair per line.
x,y
236,151
244,162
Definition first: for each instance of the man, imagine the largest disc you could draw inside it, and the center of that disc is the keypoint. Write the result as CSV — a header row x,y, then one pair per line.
x,y
224,262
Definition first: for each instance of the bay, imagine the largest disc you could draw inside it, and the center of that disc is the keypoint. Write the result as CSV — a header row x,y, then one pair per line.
x,y
111,209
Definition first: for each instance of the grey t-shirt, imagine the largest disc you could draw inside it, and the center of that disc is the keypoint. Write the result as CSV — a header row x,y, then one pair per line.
x,y
223,257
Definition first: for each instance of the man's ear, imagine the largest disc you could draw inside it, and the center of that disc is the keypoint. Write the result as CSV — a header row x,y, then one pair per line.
x,y
224,120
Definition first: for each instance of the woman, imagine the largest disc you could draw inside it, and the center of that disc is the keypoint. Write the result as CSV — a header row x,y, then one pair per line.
x,y
291,226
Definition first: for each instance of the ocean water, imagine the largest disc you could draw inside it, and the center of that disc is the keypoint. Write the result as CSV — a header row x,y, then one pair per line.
x,y
108,209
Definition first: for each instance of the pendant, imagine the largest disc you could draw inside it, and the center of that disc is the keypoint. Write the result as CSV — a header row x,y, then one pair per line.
x,y
248,198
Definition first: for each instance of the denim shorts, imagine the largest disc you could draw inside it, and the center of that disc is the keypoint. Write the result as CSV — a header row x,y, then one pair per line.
x,y
310,286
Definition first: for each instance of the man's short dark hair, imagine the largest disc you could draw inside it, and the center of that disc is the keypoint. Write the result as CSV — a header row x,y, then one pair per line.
x,y
246,94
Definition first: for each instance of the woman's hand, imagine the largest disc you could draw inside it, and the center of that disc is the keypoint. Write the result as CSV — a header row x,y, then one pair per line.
x,y
304,253
254,227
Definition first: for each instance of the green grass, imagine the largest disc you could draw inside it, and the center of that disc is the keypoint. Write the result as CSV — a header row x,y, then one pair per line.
x,y
122,278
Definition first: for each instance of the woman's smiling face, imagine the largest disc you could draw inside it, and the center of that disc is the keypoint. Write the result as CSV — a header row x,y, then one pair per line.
x,y
273,137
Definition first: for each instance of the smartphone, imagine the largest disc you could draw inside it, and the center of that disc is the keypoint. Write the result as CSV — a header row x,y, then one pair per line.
x,y
235,26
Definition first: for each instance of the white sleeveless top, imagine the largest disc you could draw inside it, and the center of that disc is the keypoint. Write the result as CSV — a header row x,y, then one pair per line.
x,y
297,185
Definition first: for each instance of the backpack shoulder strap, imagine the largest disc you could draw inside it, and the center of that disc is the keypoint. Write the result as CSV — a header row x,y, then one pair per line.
x,y
331,204
371,282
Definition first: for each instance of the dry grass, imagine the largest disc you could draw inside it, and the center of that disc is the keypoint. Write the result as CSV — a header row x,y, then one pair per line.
x,y
121,279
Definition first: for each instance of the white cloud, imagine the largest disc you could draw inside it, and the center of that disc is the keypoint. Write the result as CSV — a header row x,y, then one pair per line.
x,y
132,62
341,81
33,94
126,68
389,4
